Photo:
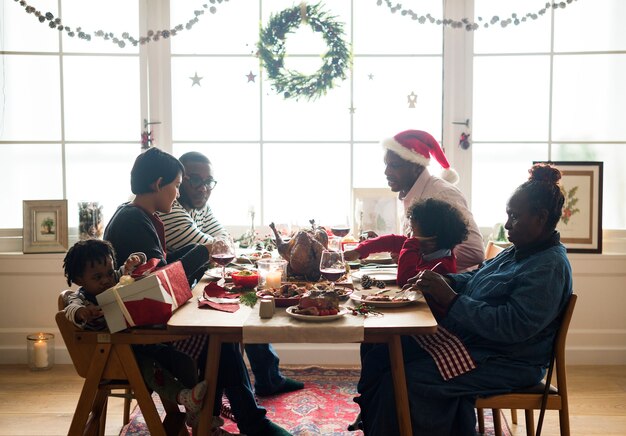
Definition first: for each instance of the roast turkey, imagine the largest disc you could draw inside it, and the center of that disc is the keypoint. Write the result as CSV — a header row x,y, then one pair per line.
x,y
303,251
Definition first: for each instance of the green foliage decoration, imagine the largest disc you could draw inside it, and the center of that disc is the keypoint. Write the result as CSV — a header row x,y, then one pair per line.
x,y
292,84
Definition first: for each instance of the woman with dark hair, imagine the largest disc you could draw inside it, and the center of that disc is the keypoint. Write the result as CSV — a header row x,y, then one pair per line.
x,y
135,227
497,324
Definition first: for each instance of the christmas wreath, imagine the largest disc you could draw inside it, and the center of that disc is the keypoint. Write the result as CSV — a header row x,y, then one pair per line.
x,y
293,84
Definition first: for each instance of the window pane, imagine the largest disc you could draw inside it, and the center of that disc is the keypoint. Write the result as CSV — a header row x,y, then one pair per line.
x,y
24,32
589,98
110,16
30,172
31,108
511,98
377,30
101,98
403,93
224,106
369,166
614,185
215,33
99,172
306,181
596,25
236,168
497,169
531,36
324,119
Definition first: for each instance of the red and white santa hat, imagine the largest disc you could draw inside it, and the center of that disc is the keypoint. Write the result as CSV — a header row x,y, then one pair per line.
x,y
418,146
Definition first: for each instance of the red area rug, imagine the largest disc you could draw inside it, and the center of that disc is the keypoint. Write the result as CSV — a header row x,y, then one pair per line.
x,y
323,407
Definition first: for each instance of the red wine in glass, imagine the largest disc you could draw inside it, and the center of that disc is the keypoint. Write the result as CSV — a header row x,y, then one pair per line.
x,y
332,274
222,259
340,231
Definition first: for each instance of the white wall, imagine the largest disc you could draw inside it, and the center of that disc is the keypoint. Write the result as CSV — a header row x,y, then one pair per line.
x,y
30,285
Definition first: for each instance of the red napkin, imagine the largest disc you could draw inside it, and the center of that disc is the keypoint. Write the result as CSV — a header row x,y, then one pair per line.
x,y
216,291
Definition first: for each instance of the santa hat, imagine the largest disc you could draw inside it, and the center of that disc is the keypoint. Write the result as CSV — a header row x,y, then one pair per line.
x,y
418,146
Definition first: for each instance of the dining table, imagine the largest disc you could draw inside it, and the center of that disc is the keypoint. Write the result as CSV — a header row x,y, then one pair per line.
x,y
246,326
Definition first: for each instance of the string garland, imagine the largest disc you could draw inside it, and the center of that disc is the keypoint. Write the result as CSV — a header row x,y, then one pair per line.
x,y
56,23
293,84
470,25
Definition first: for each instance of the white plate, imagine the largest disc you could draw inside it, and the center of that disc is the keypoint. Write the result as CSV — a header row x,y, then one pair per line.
x,y
216,273
413,297
315,318
382,274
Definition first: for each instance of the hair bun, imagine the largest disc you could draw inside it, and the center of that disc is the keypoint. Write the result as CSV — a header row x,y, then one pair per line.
x,y
543,172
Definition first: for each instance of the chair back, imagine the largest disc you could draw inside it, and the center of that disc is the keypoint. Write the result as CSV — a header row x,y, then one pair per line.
x,y
559,345
492,250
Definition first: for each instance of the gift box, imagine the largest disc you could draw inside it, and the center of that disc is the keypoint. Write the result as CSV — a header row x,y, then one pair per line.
x,y
150,300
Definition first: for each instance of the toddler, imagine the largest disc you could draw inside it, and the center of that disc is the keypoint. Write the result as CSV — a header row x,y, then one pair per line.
x,y
89,264
436,228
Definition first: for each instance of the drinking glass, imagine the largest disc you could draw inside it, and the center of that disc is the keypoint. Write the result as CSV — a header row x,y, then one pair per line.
x,y
332,266
223,253
339,231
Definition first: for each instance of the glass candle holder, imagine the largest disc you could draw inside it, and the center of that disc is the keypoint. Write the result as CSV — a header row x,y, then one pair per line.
x,y
272,272
40,351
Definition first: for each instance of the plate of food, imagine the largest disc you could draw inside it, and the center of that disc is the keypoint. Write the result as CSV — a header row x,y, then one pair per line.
x,y
386,275
216,273
287,295
386,299
302,314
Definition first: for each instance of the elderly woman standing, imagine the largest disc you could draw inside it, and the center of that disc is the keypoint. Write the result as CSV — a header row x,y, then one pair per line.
x,y
496,324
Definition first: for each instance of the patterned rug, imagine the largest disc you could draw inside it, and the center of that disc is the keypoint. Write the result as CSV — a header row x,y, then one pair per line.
x,y
323,407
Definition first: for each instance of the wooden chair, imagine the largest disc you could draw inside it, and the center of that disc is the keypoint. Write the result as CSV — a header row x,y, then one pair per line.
x,y
492,250
107,363
531,399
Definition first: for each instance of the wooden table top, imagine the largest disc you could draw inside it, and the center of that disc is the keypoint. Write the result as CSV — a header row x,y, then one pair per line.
x,y
414,319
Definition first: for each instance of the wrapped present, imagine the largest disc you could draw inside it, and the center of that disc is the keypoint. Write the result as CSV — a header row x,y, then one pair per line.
x,y
150,300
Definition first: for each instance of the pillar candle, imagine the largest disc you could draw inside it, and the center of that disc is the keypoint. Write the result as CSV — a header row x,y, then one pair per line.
x,y
40,349
273,279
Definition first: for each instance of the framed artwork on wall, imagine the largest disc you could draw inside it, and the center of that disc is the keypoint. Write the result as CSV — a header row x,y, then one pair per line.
x,y
45,226
375,209
581,222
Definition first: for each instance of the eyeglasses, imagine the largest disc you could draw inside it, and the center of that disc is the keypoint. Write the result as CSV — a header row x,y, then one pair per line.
x,y
196,181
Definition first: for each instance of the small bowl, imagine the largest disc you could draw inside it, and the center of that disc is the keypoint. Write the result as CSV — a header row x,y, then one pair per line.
x,y
245,279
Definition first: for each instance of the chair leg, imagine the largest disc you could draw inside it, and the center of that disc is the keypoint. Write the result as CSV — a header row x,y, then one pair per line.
x,y
103,417
530,422
481,420
497,422
127,406
514,416
564,420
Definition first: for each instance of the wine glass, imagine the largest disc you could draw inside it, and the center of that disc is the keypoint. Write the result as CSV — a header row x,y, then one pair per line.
x,y
223,253
339,231
332,266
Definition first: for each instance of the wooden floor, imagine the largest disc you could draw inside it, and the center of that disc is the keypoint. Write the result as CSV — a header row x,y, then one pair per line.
x,y
42,403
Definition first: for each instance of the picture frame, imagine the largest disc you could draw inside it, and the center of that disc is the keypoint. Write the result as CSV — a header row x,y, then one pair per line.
x,y
45,226
375,209
580,225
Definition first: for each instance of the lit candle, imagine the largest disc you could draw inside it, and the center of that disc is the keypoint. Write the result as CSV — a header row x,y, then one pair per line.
x,y
273,279
41,353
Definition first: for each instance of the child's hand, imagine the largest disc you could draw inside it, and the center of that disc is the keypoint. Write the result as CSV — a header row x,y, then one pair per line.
x,y
86,314
133,261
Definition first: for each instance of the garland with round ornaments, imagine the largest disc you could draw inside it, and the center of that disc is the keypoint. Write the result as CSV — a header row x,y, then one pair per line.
x,y
292,84
467,24
55,23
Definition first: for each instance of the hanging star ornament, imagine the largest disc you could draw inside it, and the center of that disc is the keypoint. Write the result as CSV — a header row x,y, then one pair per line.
x,y
250,77
370,76
195,80
352,109
412,99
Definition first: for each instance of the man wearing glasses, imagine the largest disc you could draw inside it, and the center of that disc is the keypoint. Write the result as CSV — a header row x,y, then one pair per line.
x,y
192,221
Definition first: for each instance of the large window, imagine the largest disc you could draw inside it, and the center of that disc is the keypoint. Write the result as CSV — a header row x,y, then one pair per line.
x,y
546,90
72,111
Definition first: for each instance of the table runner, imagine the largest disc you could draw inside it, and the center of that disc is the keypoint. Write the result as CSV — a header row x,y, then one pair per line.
x,y
282,328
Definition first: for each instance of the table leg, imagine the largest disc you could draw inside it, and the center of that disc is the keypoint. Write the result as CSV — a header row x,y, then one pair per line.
x,y
210,375
399,386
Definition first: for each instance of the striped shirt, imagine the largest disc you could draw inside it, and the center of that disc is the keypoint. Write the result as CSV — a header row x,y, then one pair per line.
x,y
197,226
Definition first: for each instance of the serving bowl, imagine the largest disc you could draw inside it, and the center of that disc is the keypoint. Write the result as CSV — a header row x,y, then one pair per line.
x,y
245,279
